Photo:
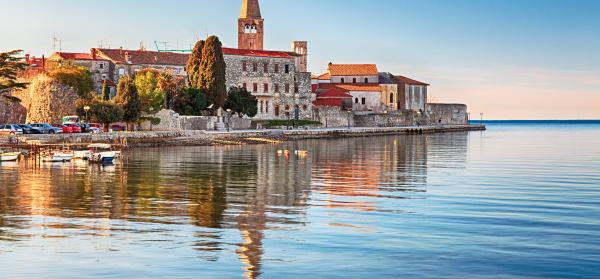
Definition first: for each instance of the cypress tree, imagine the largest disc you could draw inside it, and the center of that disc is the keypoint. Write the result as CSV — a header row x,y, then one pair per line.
x,y
193,65
105,91
128,98
212,72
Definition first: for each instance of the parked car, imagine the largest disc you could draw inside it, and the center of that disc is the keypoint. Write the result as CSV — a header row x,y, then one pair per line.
x,y
10,129
100,127
28,129
65,129
74,128
87,128
46,128
118,128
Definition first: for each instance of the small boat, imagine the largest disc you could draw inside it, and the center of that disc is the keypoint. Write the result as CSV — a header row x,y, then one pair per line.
x,y
82,154
9,157
102,153
57,157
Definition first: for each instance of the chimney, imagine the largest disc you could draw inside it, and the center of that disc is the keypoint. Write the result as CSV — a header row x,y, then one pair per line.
x,y
27,58
43,63
127,57
94,54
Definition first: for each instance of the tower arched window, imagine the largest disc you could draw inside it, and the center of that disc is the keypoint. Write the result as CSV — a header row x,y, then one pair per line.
x,y
247,28
391,98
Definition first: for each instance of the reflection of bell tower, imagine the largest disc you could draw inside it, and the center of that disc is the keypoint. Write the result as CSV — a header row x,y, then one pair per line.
x,y
250,26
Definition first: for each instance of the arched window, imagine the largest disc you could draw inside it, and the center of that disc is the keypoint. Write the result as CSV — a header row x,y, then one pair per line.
x,y
366,80
253,31
343,80
391,98
354,80
247,28
356,100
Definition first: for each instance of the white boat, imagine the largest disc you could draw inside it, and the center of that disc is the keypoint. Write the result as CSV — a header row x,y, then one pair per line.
x,y
9,157
102,153
82,154
57,157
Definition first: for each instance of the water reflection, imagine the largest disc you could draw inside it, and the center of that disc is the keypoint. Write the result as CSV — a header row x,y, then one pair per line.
x,y
250,189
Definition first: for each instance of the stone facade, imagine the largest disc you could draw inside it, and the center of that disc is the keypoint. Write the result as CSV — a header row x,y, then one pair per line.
x,y
331,117
448,114
172,121
12,112
281,90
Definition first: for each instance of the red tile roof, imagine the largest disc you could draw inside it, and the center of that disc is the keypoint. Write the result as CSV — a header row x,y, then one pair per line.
x,y
366,87
410,81
75,56
353,70
329,102
258,53
334,92
325,76
144,57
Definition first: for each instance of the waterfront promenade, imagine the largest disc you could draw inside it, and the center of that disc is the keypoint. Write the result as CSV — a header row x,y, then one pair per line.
x,y
199,138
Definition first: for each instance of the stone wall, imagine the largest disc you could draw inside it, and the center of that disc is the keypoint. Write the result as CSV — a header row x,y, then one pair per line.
x,y
448,114
12,112
392,119
333,117
47,100
172,121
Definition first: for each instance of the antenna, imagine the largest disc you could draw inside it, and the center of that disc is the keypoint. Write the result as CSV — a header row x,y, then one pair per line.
x,y
54,41
101,44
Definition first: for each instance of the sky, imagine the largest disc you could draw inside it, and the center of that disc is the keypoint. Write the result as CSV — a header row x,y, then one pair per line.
x,y
519,59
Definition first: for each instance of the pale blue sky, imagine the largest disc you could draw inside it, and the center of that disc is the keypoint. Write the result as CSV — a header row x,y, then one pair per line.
x,y
528,59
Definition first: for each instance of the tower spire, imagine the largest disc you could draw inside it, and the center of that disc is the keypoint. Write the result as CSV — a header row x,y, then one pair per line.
x,y
250,9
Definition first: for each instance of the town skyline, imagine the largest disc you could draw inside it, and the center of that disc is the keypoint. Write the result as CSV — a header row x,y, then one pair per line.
x,y
485,55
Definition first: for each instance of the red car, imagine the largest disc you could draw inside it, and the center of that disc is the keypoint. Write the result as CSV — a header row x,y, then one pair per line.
x,y
99,126
74,128
65,129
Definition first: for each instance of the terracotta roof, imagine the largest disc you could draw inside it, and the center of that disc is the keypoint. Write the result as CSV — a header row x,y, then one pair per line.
x,y
325,76
353,70
366,87
334,93
74,56
144,57
258,53
410,81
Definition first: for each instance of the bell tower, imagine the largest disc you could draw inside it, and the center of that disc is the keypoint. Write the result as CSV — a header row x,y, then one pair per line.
x,y
250,26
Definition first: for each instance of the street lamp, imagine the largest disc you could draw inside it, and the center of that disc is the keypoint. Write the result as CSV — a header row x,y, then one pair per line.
x,y
86,109
481,122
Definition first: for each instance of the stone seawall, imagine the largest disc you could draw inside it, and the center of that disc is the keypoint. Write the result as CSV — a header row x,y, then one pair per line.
x,y
186,138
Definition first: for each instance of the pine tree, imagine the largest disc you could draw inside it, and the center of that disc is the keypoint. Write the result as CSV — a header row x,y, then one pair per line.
x,y
10,65
193,65
212,72
105,91
128,98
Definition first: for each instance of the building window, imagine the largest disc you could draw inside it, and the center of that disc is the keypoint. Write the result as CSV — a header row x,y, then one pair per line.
x,y
304,107
343,80
287,69
276,87
244,66
266,67
261,106
255,87
267,106
277,68
287,88
276,110
356,101
363,101
101,65
354,80
391,98
287,107
244,85
296,88
254,67
366,80
266,88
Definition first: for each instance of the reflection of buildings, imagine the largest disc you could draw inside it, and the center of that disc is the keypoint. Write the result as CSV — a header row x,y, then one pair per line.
x,y
364,167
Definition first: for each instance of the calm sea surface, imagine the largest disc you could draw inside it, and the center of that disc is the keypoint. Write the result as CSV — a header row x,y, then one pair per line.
x,y
516,201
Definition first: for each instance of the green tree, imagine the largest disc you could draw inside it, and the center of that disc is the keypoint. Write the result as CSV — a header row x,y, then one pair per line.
x,y
170,85
128,98
152,98
104,112
242,102
10,66
212,72
105,91
190,101
193,65
77,77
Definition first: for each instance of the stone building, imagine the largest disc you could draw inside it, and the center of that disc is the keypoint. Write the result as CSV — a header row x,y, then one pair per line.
x,y
412,94
99,67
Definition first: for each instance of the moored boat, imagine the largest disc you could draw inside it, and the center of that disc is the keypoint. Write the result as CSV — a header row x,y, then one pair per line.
x,y
9,157
57,157
102,153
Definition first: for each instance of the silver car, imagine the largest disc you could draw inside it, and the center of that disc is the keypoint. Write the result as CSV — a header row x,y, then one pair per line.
x,y
46,128
10,129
